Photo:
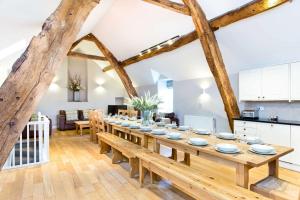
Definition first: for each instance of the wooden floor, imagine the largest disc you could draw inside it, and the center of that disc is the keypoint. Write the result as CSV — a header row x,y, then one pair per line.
x,y
78,171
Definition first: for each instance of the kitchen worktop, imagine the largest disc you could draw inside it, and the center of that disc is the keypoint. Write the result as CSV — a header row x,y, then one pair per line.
x,y
265,120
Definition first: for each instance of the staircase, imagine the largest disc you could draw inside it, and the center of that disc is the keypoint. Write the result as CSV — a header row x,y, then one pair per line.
x,y
34,148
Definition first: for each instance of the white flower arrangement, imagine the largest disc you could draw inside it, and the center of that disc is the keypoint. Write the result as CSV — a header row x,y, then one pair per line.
x,y
146,102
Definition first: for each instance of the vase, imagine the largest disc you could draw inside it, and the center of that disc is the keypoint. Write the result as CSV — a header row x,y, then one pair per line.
x,y
146,117
76,95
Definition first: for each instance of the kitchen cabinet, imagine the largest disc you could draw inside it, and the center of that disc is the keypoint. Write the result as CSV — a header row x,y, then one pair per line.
x,y
250,85
295,143
265,84
295,81
275,83
277,134
244,128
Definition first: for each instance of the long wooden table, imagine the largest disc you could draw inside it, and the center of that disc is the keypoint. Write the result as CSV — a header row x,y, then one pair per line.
x,y
242,162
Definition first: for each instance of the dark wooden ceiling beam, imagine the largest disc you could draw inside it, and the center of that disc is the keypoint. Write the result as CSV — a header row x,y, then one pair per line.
x,y
214,59
86,56
250,9
34,71
115,64
174,6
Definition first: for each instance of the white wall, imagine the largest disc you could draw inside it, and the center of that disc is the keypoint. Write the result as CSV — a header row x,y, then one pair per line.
x,y
102,91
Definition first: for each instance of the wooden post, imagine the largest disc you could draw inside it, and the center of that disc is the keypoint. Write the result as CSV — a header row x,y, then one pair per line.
x,y
33,72
214,60
115,64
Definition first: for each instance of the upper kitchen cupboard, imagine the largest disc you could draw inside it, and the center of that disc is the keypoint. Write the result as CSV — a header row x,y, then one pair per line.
x,y
265,84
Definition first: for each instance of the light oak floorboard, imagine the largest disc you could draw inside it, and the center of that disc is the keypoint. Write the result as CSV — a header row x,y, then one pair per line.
x,y
78,171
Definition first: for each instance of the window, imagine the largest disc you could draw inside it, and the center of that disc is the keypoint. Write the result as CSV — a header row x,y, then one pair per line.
x,y
165,92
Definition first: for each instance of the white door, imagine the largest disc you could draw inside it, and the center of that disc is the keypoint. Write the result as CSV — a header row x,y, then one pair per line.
x,y
275,83
295,143
277,134
250,85
295,81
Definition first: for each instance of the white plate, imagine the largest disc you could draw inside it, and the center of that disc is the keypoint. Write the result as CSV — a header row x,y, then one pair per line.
x,y
171,125
225,135
172,138
260,153
125,124
227,152
201,131
227,147
174,135
134,126
262,148
253,140
118,122
158,132
183,128
198,141
146,129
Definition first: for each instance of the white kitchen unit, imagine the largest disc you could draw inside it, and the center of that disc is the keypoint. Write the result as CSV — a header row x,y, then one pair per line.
x,y
295,81
295,143
245,128
278,134
265,84
250,85
270,133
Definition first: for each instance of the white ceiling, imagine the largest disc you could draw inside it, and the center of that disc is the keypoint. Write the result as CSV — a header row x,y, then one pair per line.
x,y
128,26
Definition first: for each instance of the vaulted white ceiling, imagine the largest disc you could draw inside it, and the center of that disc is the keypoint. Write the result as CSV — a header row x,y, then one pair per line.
x,y
127,27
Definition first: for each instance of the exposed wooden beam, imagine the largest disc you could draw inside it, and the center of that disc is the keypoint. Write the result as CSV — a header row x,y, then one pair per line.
x,y
86,56
115,64
214,59
178,43
33,72
174,6
250,9
86,37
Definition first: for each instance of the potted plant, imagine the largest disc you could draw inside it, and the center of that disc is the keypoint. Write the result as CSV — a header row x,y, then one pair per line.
x,y
146,104
75,86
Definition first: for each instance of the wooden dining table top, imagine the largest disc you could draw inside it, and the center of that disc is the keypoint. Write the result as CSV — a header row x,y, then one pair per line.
x,y
243,157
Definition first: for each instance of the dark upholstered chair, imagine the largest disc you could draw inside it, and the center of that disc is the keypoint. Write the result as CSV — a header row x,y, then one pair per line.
x,y
64,124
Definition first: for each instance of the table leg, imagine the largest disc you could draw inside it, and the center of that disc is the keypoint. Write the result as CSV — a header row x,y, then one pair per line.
x,y
156,146
76,126
242,175
274,168
174,154
187,159
145,141
80,127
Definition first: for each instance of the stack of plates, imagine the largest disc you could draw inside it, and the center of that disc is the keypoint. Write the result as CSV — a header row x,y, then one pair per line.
x,y
174,136
146,128
227,148
226,136
158,132
171,125
198,141
134,126
262,149
253,140
201,131
183,128
125,124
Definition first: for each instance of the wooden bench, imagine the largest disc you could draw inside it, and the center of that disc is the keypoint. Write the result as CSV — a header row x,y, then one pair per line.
x,y
188,180
277,189
120,148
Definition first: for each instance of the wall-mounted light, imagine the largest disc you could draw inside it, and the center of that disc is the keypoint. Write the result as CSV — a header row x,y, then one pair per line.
x,y
100,86
54,85
204,97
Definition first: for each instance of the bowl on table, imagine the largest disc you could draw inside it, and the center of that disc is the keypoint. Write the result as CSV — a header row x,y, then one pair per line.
x,y
227,148
146,128
253,140
183,128
158,132
174,136
125,124
134,126
171,125
198,141
262,149
226,136
201,131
